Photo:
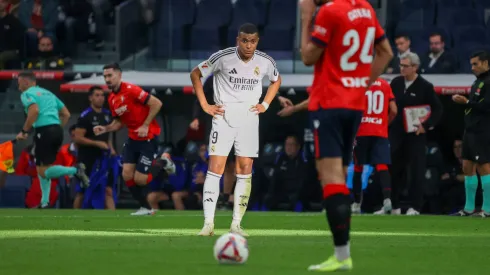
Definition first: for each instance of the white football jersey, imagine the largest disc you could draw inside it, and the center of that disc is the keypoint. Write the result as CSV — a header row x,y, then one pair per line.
x,y
236,81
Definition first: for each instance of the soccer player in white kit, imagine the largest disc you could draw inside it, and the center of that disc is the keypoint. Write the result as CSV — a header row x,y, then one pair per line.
x,y
238,73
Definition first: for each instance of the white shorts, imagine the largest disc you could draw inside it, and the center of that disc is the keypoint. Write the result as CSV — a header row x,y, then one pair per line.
x,y
240,127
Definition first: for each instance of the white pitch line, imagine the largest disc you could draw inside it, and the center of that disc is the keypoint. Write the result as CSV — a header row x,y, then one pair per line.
x,y
176,232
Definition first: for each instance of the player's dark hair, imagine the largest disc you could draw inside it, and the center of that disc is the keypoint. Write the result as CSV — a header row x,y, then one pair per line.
x,y
28,75
296,138
114,66
437,34
248,28
482,55
402,35
92,90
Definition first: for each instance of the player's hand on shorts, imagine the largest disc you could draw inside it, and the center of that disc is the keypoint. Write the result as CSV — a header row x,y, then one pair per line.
x,y
258,109
214,110
286,111
194,124
285,102
142,131
460,99
113,152
21,136
99,130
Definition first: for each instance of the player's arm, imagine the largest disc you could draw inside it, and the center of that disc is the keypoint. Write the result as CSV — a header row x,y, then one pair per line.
x,y
155,105
301,106
32,114
483,105
63,112
115,125
384,54
392,111
204,70
272,91
313,43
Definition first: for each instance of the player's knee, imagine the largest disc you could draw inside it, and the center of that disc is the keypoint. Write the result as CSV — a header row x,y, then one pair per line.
x,y
469,169
127,175
244,166
140,180
217,166
177,196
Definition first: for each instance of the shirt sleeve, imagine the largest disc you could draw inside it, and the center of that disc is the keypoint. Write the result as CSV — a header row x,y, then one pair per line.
x,y
27,99
84,123
139,95
59,103
212,65
323,26
272,71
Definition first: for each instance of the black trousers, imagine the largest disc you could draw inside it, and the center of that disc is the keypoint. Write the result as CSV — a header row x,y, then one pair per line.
x,y
408,167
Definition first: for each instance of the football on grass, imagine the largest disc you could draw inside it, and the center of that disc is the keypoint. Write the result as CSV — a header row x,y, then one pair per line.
x,y
231,249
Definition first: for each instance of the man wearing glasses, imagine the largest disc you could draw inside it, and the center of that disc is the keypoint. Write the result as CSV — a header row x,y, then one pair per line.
x,y
419,111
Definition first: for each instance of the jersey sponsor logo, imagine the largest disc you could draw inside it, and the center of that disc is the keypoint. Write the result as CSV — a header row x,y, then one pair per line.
x,y
355,82
243,84
233,71
257,71
121,110
372,120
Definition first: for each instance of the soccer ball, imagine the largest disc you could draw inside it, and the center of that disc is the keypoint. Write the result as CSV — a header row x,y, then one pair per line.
x,y
231,249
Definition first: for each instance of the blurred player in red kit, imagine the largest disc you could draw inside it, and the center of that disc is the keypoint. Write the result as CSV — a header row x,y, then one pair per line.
x,y
339,41
372,145
136,109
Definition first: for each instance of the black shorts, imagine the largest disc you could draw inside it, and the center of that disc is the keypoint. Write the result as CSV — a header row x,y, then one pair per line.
x,y
476,148
140,152
47,141
335,131
372,150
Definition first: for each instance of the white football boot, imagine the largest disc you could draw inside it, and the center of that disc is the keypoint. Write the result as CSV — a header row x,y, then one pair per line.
x,y
143,212
207,230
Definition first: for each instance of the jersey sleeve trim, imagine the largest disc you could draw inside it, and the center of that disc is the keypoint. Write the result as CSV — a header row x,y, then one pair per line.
x,y
266,56
379,39
318,42
216,56
147,99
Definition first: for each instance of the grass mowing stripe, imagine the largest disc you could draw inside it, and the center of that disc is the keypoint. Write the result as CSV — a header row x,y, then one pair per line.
x,y
178,232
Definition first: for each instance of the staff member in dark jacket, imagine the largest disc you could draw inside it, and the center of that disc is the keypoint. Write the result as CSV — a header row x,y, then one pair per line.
x,y
476,140
408,149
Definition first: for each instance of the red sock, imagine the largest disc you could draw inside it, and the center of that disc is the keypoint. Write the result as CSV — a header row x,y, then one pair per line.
x,y
358,168
381,167
332,189
130,183
150,178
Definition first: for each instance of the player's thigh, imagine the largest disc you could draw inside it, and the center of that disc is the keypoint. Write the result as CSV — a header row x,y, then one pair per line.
x,y
247,138
380,151
130,153
350,121
47,142
361,151
327,132
221,138
468,147
147,154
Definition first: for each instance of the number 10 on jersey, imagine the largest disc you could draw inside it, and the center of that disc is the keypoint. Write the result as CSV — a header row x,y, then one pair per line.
x,y
375,100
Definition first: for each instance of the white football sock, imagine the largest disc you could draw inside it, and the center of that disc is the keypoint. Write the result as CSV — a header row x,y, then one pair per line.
x,y
342,252
210,196
241,196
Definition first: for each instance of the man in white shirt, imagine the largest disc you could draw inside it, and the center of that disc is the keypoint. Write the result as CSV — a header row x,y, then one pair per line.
x,y
238,73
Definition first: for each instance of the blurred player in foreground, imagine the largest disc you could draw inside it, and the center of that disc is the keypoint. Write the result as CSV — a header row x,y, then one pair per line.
x,y
238,73
340,45
136,109
47,115
372,145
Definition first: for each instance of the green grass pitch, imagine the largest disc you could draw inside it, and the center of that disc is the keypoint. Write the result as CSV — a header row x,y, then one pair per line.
x,y
100,242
